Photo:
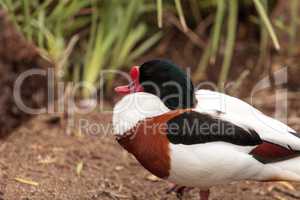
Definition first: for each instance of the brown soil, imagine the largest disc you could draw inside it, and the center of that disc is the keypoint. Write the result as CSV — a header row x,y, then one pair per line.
x,y
17,56
41,151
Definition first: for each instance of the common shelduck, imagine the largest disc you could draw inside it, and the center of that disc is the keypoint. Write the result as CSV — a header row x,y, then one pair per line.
x,y
200,138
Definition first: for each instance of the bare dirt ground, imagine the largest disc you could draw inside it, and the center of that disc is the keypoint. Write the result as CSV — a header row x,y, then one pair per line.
x,y
42,152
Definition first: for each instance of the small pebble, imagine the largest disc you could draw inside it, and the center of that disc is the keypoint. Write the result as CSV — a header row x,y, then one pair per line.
x,y
152,178
119,168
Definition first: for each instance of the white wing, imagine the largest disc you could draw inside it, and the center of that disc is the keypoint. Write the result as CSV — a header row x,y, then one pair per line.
x,y
245,115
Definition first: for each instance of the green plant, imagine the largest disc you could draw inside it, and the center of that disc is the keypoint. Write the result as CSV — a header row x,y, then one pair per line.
x,y
231,7
230,41
116,40
50,24
294,6
109,33
265,19
89,36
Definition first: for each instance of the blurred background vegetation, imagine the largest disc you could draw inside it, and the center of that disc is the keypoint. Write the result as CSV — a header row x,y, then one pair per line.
x,y
220,40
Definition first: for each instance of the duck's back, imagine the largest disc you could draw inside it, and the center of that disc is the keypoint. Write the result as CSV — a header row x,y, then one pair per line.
x,y
216,101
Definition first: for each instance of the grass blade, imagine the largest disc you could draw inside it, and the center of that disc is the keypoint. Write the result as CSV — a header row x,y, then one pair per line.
x,y
230,41
217,29
79,168
131,40
181,15
146,45
294,25
264,17
159,13
25,181
264,42
27,28
133,37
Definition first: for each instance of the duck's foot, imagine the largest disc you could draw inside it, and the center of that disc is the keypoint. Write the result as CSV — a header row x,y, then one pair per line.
x,y
204,194
179,190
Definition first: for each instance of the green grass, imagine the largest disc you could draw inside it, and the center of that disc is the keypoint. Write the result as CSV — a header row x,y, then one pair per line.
x,y
119,40
294,6
265,19
230,41
89,36
109,34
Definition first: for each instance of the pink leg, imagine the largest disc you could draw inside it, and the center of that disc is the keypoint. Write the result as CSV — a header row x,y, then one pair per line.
x,y
172,188
204,194
179,190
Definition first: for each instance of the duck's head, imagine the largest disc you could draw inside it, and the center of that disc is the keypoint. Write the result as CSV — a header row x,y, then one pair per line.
x,y
163,79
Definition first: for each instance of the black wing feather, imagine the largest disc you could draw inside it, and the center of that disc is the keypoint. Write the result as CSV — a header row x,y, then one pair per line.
x,y
195,128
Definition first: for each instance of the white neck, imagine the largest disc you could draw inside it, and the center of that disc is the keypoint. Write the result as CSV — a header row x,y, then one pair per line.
x,y
135,107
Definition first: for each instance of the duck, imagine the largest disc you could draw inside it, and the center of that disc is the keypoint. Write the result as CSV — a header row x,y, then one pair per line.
x,y
199,138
